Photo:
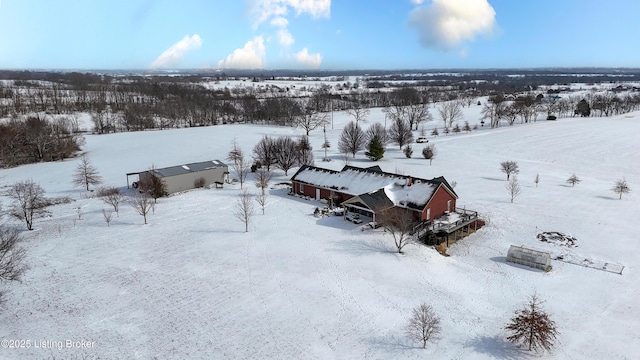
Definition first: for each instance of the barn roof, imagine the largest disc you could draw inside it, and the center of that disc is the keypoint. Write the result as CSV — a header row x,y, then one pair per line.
x,y
189,168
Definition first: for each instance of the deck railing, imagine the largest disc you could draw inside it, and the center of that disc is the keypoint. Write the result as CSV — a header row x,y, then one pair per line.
x,y
464,217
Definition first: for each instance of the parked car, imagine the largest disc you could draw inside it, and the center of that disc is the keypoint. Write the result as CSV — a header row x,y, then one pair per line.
x,y
422,139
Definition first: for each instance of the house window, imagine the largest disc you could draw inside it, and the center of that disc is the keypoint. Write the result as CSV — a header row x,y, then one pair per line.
x,y
301,188
428,215
449,206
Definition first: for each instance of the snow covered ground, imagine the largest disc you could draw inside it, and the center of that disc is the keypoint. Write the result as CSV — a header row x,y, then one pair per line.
x,y
192,284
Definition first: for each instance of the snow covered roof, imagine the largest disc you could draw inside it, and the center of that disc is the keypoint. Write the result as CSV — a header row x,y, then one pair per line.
x,y
189,168
402,190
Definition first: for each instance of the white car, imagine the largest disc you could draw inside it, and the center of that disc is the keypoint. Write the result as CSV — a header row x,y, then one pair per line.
x,y
422,139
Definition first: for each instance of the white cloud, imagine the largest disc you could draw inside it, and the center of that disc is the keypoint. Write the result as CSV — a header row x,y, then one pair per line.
x,y
417,2
263,10
285,38
444,24
280,22
251,56
312,61
174,54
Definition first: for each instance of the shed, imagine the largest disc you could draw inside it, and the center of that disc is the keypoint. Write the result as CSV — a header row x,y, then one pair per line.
x,y
189,176
529,257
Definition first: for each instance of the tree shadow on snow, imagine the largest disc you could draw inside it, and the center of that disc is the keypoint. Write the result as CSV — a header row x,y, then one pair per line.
x,y
607,197
493,178
362,247
392,344
499,348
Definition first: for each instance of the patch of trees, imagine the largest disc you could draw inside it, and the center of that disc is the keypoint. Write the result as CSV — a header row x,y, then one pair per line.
x,y
124,102
38,139
283,153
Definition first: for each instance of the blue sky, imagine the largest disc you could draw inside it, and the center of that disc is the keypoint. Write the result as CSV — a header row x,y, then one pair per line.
x,y
318,34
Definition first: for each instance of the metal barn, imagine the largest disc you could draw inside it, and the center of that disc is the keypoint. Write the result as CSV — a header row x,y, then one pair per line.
x,y
188,176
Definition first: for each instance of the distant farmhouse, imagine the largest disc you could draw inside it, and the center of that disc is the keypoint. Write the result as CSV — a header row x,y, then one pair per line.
x,y
370,191
188,176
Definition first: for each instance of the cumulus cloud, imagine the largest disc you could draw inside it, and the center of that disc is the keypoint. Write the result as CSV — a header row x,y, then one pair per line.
x,y
263,10
312,61
417,2
251,56
444,24
174,54
285,38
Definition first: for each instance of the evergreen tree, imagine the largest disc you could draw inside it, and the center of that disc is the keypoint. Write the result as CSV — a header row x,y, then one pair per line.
x,y
375,149
408,151
583,109
429,152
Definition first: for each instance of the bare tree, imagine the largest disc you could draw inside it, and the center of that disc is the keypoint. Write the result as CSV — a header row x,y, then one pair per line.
x,y
265,152
263,176
261,199
410,106
450,112
532,327
108,215
400,132
513,187
509,168
244,209
621,187
111,196
493,110
536,180
235,153
11,256
377,130
142,203
86,174
309,119
28,201
286,153
424,325
358,109
399,223
238,162
352,139
429,152
573,180
305,151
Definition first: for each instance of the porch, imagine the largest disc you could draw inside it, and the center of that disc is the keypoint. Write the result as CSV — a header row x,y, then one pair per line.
x,y
451,226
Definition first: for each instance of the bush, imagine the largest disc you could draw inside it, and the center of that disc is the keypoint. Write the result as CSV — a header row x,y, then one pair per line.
x,y
107,191
408,151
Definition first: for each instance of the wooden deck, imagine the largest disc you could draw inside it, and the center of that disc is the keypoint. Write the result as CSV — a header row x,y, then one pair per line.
x,y
454,221
451,227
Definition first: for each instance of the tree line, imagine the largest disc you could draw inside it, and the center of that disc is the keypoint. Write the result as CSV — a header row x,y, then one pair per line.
x,y
41,122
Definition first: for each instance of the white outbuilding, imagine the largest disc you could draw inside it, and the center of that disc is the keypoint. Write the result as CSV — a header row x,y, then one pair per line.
x,y
189,176
529,257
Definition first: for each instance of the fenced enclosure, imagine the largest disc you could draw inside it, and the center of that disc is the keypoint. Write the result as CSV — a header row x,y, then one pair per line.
x,y
529,257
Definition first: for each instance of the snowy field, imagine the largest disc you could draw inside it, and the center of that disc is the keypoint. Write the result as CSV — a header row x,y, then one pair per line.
x,y
192,285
